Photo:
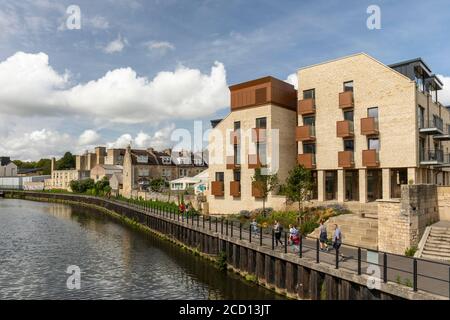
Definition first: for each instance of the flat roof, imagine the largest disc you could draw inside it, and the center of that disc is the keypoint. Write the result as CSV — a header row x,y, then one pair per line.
x,y
255,82
410,61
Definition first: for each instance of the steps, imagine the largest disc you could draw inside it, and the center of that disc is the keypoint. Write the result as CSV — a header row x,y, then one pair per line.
x,y
356,231
437,244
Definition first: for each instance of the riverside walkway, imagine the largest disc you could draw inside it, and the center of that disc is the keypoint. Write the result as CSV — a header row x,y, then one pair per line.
x,y
415,274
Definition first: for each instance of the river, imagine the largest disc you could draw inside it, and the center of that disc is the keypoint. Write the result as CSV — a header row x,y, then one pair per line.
x,y
39,241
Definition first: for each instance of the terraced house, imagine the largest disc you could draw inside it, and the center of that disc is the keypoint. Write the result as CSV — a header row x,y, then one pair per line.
x,y
364,128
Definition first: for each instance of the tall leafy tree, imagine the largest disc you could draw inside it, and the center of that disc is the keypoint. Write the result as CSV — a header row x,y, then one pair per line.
x,y
66,162
299,186
264,184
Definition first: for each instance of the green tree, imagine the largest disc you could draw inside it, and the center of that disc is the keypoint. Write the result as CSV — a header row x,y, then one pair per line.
x,y
299,186
46,165
66,162
264,183
157,185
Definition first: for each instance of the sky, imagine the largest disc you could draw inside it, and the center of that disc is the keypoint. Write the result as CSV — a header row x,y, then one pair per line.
x,y
133,71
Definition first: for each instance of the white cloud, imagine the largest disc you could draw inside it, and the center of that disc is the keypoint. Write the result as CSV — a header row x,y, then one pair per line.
x,y
89,137
29,86
160,46
444,94
36,144
159,139
98,22
116,45
292,79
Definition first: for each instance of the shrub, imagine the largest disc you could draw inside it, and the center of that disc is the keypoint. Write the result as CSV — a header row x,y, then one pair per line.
x,y
409,252
222,261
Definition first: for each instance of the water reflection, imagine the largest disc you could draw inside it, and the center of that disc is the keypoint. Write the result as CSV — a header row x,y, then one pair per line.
x,y
40,240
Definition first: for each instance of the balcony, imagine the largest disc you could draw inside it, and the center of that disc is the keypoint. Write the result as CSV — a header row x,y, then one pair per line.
x,y
433,157
217,188
256,191
258,135
344,129
434,127
346,100
254,162
370,158
232,164
235,188
445,136
308,160
235,137
345,159
305,133
306,106
369,126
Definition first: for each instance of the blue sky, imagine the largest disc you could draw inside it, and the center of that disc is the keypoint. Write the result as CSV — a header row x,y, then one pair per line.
x,y
200,46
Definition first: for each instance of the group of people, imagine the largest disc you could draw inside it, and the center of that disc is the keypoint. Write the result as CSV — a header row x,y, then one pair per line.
x,y
184,208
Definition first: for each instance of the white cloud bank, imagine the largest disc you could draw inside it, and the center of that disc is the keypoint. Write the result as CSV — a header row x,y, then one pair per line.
x,y
29,86
444,94
292,79
159,140
116,45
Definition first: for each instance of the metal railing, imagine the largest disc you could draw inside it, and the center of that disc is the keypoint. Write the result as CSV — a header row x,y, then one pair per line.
x,y
415,273
432,156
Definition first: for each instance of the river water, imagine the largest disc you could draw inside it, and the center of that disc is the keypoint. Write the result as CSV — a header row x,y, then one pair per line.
x,y
39,241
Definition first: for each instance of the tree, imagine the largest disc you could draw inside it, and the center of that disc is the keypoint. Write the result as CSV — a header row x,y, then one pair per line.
x,y
66,162
299,186
264,183
156,185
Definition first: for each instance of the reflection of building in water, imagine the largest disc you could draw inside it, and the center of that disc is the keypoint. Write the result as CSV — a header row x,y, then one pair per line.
x,y
60,211
126,250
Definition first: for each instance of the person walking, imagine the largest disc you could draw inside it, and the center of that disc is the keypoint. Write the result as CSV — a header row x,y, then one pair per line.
x,y
254,225
323,237
337,239
182,208
277,230
294,237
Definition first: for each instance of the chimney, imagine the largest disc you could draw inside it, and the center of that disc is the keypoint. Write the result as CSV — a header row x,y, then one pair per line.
x,y
53,165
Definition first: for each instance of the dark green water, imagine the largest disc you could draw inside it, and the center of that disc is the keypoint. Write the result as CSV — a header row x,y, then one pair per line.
x,y
38,241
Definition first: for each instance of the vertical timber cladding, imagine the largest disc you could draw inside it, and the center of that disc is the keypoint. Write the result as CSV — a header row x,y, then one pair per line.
x,y
243,265
251,261
260,264
269,270
280,273
316,280
229,252
291,277
236,255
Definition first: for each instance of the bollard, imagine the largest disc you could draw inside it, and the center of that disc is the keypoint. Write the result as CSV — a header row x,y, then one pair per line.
x,y
317,251
385,267
250,233
359,261
337,258
240,230
415,275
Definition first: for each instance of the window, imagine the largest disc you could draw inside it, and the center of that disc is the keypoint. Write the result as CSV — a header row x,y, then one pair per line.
x,y
220,176
372,112
237,154
166,160
421,116
309,121
237,175
349,145
237,125
348,115
373,144
261,149
142,159
309,94
261,123
183,172
309,148
348,86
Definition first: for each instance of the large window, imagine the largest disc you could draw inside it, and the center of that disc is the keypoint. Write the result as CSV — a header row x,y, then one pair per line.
x,y
309,94
237,154
309,148
237,125
261,123
261,149
421,117
220,176
348,86
309,121
373,143
237,175
372,112
348,115
349,145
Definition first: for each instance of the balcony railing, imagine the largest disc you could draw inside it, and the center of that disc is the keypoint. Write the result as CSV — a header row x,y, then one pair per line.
x,y
306,106
370,158
235,137
235,188
369,126
346,99
444,136
345,159
258,134
433,157
434,126
344,129
255,162
233,163
305,133
217,188
308,160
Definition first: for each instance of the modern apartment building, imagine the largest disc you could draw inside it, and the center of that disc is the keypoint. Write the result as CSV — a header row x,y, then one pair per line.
x,y
362,127
259,132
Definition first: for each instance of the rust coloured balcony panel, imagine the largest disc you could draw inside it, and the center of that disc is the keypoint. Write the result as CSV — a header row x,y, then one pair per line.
x,y
231,165
217,188
259,135
344,129
369,126
305,133
370,158
345,159
346,100
306,106
235,188
235,137
307,160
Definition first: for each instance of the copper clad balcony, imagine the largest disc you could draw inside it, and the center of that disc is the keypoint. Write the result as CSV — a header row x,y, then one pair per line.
x,y
306,106
235,188
256,191
344,129
235,137
305,133
258,135
254,161
345,159
217,188
370,158
308,160
232,164
346,100
369,126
